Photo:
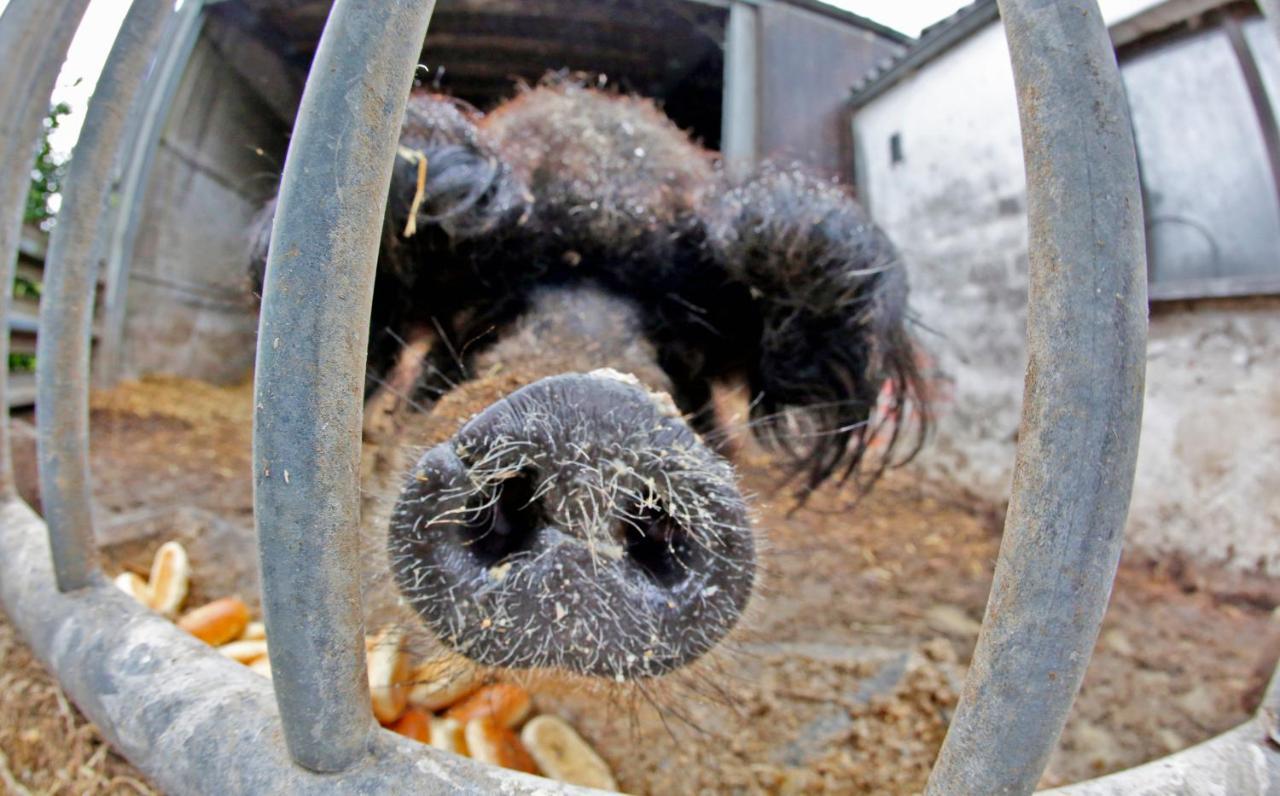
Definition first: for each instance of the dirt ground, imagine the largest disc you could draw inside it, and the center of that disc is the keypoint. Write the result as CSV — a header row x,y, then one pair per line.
x,y
841,681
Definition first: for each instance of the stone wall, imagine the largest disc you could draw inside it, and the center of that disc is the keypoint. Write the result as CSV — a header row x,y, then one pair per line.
x,y
1208,482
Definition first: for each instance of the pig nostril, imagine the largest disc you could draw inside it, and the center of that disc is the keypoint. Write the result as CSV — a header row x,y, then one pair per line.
x,y
575,525
655,543
505,524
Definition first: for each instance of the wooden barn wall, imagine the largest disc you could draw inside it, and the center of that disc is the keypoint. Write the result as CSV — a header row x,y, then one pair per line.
x,y
190,310
809,62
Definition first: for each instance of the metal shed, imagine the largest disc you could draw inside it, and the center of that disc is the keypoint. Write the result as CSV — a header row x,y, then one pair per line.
x,y
751,78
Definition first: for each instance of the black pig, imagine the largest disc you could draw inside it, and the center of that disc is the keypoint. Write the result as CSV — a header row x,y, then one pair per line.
x,y
565,279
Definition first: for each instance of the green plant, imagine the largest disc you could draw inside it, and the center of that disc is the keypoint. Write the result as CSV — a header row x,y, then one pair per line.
x,y
46,183
24,288
47,176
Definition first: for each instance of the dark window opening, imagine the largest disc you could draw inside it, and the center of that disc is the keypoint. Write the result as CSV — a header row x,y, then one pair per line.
x,y
669,50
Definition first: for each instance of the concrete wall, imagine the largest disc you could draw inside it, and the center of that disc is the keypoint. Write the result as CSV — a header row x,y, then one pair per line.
x,y
1208,481
955,207
189,308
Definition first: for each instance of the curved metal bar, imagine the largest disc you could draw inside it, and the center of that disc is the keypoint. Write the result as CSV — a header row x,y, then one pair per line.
x,y
34,37
1241,762
66,308
178,43
194,721
312,338
1082,409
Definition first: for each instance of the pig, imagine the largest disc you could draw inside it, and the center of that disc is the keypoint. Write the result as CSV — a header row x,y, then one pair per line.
x,y
561,284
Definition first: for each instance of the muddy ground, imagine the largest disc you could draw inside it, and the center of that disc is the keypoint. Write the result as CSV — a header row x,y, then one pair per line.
x,y
842,681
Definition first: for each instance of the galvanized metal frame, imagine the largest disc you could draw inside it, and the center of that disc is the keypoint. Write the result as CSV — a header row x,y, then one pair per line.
x,y
66,309
740,118
1082,406
192,720
37,33
309,378
198,723
131,672
178,42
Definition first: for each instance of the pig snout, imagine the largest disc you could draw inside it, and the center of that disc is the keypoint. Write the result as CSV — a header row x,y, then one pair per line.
x,y
577,524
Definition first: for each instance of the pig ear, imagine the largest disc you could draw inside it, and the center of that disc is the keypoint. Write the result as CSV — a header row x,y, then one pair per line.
x,y
448,186
449,177
834,370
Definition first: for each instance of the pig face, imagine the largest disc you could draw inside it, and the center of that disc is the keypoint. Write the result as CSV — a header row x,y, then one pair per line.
x,y
560,285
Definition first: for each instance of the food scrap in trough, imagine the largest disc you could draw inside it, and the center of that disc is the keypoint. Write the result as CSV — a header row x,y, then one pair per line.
x,y
455,710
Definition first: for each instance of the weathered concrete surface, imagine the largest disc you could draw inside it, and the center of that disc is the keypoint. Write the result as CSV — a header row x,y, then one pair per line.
x,y
1208,480
956,207
1209,464
190,311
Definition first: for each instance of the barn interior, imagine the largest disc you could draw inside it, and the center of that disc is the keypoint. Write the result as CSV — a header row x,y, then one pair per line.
x,y
236,81
218,157
850,669
480,50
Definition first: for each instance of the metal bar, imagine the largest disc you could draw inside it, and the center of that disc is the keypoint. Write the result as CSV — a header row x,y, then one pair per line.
x,y
32,245
312,338
1241,762
34,37
153,113
1262,110
66,308
1082,407
740,125
20,321
192,720
22,389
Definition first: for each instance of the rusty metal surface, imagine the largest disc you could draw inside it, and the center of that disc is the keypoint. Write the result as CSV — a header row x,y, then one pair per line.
x,y
312,339
194,721
1082,409
808,63
34,37
66,309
